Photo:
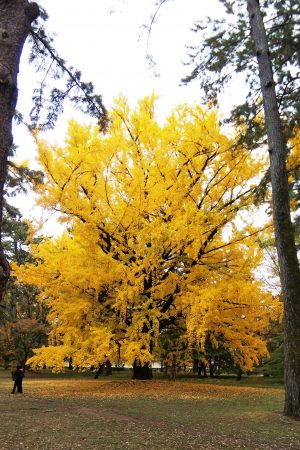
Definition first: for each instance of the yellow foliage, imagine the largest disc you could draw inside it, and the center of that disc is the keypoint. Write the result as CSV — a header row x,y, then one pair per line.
x,y
154,234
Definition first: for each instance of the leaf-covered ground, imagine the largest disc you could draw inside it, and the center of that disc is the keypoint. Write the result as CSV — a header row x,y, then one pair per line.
x,y
81,413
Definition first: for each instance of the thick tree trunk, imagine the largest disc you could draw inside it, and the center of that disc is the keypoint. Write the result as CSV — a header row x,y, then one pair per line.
x,y
108,368
195,365
239,374
202,367
284,235
99,371
142,372
16,17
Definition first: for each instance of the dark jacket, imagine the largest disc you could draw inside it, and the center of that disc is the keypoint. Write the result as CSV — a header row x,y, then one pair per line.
x,y
18,375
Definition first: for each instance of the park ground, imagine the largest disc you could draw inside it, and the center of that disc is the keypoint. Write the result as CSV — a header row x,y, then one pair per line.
x,y
64,412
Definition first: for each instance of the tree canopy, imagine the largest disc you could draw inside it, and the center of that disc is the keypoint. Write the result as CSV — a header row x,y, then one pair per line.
x,y
157,236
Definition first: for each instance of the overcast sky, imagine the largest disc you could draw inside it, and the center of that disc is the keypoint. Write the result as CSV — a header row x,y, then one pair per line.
x,y
105,39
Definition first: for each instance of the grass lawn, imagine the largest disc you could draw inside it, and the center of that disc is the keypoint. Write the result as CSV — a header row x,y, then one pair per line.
x,y
78,412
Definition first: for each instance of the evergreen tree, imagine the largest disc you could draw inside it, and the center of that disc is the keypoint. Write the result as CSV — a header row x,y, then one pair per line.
x,y
23,326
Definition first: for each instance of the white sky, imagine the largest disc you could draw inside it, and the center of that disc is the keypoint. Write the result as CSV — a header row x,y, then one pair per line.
x,y
105,40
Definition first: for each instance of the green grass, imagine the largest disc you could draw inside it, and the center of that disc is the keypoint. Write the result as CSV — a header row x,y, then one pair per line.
x,y
72,411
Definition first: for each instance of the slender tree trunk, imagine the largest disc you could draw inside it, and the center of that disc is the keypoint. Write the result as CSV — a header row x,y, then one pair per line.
x,y
13,307
161,366
173,368
284,235
202,366
16,17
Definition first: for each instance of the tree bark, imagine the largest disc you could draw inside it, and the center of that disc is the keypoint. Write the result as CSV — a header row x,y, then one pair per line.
x,y
108,368
142,372
239,374
284,234
16,17
99,371
195,365
202,367
70,363
211,366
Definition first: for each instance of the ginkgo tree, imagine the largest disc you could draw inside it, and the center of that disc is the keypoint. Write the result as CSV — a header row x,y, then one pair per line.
x,y
156,235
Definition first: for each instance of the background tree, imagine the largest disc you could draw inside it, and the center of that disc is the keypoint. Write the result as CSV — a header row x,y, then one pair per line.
x,y
273,37
20,20
23,323
274,365
23,326
173,349
154,236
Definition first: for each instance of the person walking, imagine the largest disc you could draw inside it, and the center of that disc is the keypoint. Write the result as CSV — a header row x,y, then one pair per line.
x,y
17,377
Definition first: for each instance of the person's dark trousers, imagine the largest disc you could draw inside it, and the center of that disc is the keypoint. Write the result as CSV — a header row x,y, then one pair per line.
x,y
18,387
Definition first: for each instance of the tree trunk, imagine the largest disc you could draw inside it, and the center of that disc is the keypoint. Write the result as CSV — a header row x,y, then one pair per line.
x,y
16,17
239,374
195,365
142,372
202,366
108,368
173,369
211,366
284,235
99,371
